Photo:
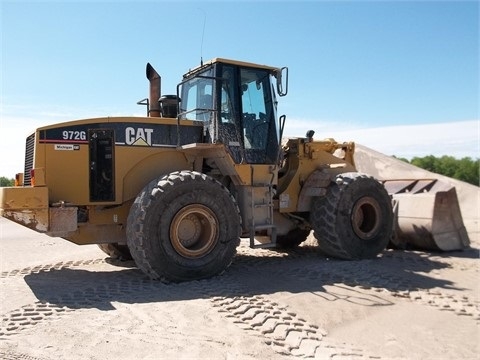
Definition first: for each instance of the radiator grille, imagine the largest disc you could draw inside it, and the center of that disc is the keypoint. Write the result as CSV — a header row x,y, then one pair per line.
x,y
29,148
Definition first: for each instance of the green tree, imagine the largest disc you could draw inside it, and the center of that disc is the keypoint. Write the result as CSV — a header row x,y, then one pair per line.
x,y
446,165
6,181
468,171
426,162
465,169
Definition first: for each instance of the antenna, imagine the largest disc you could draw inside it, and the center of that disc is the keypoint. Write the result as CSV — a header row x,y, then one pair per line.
x,y
203,33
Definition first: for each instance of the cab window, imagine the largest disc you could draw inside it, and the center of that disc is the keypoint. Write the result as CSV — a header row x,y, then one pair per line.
x,y
197,97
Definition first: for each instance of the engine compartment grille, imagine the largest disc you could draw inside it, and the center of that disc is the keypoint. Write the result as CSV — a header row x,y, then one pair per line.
x,y
29,152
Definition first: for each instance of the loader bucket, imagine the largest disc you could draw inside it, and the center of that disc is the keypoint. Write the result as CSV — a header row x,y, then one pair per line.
x,y
428,215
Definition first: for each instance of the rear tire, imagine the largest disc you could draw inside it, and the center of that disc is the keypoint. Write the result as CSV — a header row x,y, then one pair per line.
x,y
184,226
354,220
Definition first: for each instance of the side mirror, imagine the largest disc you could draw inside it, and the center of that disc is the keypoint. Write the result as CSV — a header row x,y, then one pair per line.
x,y
282,81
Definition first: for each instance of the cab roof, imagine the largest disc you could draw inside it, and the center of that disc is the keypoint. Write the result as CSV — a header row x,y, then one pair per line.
x,y
231,62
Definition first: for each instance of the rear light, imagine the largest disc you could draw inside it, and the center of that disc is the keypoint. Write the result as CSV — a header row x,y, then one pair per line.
x,y
32,177
19,179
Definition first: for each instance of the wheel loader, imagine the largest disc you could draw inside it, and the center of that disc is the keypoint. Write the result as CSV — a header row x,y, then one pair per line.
x,y
177,189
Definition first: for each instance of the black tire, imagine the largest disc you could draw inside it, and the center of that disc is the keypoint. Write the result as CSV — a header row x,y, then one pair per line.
x,y
354,220
293,238
116,251
184,226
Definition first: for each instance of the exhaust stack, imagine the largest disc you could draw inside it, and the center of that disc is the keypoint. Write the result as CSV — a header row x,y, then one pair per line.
x,y
155,91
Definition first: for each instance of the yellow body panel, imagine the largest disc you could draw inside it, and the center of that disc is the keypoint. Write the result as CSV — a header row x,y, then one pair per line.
x,y
304,158
67,172
256,174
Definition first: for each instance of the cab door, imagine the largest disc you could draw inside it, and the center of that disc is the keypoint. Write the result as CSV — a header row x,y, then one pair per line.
x,y
247,116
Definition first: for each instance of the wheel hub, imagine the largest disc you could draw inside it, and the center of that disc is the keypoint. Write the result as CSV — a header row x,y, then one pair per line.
x,y
366,218
189,230
194,231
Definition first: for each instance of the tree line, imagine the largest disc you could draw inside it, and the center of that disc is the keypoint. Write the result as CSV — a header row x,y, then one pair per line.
x,y
4,181
465,169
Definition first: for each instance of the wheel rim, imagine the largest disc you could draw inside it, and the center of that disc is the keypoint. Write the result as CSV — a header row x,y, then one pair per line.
x,y
193,231
366,218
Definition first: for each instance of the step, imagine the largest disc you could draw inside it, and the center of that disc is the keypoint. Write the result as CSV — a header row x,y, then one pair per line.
x,y
272,237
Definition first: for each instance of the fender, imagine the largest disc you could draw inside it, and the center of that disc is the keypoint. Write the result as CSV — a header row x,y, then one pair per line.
x,y
315,185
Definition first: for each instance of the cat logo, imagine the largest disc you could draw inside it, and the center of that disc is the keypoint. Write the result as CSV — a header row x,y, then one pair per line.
x,y
138,137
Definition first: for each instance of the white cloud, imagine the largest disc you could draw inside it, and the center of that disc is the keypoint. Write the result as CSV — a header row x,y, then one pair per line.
x,y
458,139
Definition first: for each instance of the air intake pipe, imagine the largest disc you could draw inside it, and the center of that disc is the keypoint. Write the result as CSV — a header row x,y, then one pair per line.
x,y
155,91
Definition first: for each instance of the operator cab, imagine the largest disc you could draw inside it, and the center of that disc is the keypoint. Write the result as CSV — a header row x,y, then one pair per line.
x,y
236,103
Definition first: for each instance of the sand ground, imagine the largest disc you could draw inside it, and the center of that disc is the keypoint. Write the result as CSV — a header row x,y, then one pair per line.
x,y
63,301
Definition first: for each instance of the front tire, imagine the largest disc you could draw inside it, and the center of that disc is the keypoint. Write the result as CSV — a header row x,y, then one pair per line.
x,y
354,220
184,226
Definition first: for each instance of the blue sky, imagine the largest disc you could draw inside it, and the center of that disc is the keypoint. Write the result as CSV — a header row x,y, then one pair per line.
x,y
353,65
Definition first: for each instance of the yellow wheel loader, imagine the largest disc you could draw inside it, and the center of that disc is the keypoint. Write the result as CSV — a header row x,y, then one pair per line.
x,y
177,189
